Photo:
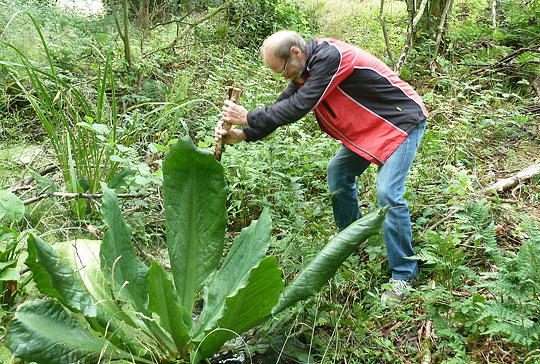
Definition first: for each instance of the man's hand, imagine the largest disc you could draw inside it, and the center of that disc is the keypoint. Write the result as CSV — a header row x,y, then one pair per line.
x,y
234,114
230,136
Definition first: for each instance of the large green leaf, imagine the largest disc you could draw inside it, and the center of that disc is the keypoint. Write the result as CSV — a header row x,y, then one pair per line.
x,y
43,332
125,271
194,194
82,256
246,252
111,320
55,278
10,274
119,263
164,302
11,206
327,262
248,308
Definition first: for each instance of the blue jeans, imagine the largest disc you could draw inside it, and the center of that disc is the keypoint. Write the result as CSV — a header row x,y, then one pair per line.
x,y
342,172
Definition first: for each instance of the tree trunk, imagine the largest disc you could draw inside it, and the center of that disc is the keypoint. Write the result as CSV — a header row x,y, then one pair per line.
x,y
143,15
432,18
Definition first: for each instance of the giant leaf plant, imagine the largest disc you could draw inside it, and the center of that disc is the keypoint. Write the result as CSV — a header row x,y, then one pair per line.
x,y
106,305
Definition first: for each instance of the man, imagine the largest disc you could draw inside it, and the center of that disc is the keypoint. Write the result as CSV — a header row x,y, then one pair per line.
x,y
360,101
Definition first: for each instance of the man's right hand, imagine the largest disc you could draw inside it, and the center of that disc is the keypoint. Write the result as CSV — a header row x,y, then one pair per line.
x,y
231,136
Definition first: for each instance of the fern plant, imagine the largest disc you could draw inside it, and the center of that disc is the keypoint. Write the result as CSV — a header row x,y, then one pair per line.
x,y
515,285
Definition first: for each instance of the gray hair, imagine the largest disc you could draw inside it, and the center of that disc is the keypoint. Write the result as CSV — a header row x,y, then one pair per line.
x,y
281,42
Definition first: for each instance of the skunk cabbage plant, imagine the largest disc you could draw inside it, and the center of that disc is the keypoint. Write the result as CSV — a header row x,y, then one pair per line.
x,y
104,304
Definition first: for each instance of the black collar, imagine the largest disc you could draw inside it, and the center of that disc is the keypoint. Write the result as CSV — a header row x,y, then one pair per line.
x,y
310,49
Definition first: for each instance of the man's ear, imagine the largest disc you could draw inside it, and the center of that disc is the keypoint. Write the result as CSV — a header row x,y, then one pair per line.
x,y
295,50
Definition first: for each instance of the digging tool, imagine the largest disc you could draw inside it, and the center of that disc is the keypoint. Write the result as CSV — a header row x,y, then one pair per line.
x,y
234,95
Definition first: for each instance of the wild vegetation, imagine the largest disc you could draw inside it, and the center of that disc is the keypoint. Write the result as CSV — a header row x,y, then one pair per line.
x,y
90,105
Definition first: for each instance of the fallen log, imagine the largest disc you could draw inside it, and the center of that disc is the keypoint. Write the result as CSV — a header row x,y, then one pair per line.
x,y
510,182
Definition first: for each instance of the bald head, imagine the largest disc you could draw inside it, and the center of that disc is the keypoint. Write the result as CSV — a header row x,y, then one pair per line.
x,y
279,44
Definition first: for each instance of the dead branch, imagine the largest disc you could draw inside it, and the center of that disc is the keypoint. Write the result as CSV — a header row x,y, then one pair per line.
x,y
69,196
150,257
30,179
532,109
536,85
197,22
446,10
410,33
503,62
177,21
425,343
510,182
518,53
385,33
494,13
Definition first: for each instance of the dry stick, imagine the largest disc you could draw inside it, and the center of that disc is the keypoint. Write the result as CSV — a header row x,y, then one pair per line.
x,y
30,179
494,14
507,183
517,53
410,34
69,195
425,343
197,22
385,33
446,10
503,61
234,95
176,20
536,85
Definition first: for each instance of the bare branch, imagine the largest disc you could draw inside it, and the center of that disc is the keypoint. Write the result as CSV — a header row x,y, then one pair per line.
x,y
510,182
410,34
68,195
438,39
385,33
175,20
197,22
30,179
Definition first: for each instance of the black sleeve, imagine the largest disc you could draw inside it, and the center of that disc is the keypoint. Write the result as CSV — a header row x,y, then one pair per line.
x,y
288,92
323,66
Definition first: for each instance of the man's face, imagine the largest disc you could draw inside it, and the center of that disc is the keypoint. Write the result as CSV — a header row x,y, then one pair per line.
x,y
291,67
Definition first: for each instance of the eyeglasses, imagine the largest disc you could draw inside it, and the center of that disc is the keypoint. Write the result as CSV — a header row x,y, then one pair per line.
x,y
284,70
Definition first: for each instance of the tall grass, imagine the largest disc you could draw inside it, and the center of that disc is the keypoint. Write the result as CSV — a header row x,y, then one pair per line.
x,y
86,137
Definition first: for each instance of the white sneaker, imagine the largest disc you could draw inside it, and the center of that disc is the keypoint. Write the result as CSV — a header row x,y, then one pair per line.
x,y
400,290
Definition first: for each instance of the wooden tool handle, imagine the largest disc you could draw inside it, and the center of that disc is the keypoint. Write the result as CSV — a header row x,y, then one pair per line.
x,y
234,96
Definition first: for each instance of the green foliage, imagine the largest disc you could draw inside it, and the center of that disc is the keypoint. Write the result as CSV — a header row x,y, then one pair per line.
x,y
122,295
11,206
520,23
11,250
515,285
88,141
251,21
